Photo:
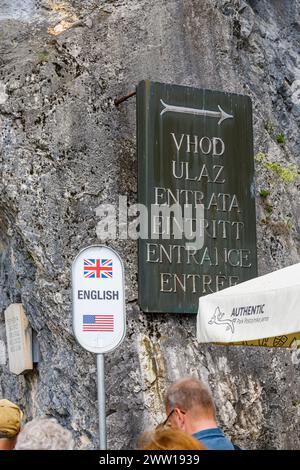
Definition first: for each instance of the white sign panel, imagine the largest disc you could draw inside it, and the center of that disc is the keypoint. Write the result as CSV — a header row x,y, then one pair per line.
x,y
98,299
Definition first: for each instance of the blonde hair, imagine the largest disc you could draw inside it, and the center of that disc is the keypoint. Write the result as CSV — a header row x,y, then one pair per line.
x,y
169,439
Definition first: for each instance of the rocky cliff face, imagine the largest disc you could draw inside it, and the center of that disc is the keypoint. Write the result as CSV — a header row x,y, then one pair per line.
x,y
65,149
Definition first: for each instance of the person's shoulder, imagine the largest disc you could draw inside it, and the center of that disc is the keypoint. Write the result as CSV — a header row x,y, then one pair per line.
x,y
236,447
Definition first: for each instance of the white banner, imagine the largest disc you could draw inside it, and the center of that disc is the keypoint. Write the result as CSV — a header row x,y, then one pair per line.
x,y
263,307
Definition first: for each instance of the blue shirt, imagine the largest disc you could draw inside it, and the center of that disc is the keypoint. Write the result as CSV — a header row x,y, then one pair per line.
x,y
214,439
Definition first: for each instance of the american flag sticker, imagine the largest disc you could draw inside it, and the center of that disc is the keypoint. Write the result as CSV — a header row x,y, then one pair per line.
x,y
98,268
98,323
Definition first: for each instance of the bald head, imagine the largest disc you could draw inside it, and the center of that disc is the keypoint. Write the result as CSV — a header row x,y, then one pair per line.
x,y
190,394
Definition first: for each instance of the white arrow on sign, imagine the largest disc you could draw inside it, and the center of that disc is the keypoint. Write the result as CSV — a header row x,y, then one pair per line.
x,y
221,115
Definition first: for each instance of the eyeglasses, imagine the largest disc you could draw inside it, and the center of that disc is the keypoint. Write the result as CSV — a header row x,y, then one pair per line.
x,y
164,423
167,418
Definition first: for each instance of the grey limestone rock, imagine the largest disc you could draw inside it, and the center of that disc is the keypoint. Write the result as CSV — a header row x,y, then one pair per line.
x,y
65,149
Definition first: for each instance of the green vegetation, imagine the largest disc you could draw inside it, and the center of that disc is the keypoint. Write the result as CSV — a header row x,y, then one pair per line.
x,y
43,56
280,138
260,157
264,193
268,208
270,128
288,174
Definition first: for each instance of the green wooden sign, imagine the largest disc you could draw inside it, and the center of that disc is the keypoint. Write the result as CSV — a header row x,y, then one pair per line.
x,y
195,149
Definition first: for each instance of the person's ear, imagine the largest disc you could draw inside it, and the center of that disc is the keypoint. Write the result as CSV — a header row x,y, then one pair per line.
x,y
180,418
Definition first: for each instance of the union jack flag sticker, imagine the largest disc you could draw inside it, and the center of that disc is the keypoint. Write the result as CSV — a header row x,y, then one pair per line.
x,y
100,268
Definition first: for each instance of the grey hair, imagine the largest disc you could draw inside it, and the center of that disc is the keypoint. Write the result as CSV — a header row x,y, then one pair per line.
x,y
44,434
189,393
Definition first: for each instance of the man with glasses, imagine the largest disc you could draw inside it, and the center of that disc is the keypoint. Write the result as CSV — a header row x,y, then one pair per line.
x,y
190,407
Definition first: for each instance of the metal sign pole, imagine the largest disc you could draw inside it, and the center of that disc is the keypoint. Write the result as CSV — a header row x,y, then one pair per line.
x,y
101,401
